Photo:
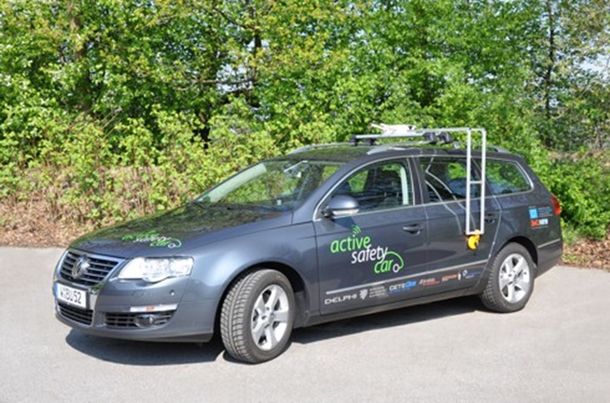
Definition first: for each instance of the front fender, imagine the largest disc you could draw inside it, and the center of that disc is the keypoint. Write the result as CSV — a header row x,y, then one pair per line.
x,y
217,265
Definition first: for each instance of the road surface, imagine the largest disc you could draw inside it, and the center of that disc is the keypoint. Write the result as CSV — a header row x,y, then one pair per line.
x,y
557,349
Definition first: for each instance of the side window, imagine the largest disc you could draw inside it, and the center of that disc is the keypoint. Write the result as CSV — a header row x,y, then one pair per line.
x,y
446,178
505,177
379,186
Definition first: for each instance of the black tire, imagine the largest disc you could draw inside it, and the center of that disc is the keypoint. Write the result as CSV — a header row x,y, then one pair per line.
x,y
492,297
237,311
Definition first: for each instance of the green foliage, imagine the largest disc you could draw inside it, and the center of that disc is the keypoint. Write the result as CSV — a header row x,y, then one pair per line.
x,y
583,187
112,109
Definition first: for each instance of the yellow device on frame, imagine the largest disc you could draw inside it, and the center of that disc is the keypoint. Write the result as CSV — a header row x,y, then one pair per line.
x,y
473,240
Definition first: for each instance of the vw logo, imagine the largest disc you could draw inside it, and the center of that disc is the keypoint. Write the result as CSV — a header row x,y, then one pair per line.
x,y
80,267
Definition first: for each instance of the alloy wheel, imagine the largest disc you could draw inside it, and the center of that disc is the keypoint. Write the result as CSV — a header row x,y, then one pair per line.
x,y
514,278
269,320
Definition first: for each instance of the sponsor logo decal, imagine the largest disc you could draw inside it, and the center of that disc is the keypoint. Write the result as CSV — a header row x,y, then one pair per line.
x,y
450,277
378,292
363,294
153,239
470,274
427,282
546,211
543,222
539,216
362,250
401,287
341,298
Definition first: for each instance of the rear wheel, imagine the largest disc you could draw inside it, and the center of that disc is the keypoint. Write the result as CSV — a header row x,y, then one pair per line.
x,y
511,281
257,316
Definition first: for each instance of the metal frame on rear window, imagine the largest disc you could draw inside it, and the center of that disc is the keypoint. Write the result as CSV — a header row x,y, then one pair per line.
x,y
423,184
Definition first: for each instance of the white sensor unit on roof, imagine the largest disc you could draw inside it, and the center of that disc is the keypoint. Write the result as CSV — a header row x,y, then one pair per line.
x,y
393,129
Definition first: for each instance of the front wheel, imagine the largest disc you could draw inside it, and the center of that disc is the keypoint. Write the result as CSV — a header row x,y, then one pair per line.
x,y
511,281
257,316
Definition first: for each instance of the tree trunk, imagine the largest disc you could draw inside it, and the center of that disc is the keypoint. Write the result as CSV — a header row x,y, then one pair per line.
x,y
548,74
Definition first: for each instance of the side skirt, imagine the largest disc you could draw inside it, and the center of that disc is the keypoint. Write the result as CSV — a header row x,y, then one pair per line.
x,y
319,319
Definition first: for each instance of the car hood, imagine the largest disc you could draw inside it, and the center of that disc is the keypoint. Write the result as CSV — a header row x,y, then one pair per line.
x,y
178,231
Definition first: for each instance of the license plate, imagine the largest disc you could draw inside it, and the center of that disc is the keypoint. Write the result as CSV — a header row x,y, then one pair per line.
x,y
72,296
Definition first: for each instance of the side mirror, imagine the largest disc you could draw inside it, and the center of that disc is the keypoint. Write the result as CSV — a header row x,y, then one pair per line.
x,y
341,206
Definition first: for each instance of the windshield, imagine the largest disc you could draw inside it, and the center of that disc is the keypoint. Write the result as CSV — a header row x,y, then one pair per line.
x,y
276,185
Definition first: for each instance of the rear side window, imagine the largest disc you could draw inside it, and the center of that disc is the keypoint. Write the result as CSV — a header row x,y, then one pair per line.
x,y
446,178
505,177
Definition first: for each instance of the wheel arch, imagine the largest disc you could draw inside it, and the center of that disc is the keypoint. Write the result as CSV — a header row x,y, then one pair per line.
x,y
526,243
301,294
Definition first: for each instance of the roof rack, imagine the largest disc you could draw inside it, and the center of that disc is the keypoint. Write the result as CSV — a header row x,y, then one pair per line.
x,y
315,146
442,135
426,136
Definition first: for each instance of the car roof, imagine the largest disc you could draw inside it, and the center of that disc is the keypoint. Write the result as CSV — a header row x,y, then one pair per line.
x,y
345,152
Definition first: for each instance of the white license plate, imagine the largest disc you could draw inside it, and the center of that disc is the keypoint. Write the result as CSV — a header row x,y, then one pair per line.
x,y
72,296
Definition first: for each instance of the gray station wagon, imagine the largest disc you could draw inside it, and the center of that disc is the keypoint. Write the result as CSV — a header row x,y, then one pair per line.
x,y
323,233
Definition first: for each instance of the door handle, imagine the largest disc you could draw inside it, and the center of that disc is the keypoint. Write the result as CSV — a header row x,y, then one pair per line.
x,y
491,217
413,228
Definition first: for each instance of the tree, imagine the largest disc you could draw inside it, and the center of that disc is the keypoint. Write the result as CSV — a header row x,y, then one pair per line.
x,y
110,109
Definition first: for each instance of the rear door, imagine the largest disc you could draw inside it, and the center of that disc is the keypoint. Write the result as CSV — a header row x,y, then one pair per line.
x,y
359,255
451,264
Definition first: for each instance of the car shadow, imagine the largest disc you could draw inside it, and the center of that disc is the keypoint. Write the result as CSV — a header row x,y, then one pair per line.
x,y
151,354
396,317
144,353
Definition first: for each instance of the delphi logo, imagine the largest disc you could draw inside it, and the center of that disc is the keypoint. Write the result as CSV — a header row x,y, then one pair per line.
x,y
340,298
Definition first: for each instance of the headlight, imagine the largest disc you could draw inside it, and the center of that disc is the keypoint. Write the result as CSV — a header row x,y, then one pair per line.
x,y
154,270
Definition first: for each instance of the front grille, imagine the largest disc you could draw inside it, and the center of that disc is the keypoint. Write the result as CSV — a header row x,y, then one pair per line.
x,y
97,271
127,320
84,316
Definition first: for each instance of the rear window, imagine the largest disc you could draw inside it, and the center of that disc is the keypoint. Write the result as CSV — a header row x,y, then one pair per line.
x,y
505,177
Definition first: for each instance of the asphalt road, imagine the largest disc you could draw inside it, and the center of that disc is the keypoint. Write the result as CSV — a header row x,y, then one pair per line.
x,y
557,349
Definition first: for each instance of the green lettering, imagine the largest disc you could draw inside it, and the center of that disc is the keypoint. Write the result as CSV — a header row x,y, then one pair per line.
x,y
350,243
388,265
394,264
334,246
383,266
400,263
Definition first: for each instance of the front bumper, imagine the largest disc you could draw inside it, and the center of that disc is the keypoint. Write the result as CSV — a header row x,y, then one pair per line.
x,y
113,305
180,328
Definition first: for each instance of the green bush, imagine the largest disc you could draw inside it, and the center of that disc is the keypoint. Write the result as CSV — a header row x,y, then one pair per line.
x,y
114,109
583,187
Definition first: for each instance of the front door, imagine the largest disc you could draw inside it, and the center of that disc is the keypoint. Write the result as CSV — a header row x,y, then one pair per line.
x,y
359,255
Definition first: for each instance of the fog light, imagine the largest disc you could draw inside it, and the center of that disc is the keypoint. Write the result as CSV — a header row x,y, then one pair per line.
x,y
146,320
154,308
